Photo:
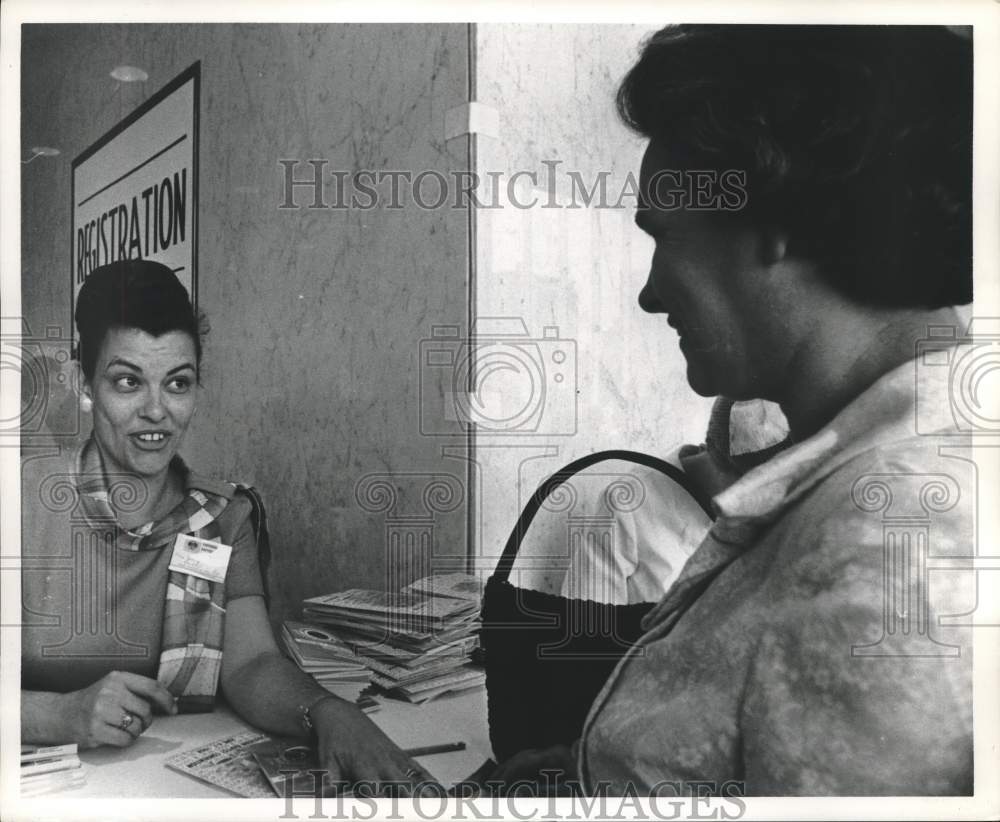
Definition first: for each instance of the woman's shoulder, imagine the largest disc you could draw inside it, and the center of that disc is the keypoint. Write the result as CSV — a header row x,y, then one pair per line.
x,y
907,479
243,502
906,493
212,484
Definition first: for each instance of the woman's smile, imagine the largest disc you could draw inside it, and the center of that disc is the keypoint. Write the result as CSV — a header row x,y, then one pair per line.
x,y
151,440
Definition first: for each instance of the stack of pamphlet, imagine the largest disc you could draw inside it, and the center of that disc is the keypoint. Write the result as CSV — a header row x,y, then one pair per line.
x,y
418,642
47,769
331,662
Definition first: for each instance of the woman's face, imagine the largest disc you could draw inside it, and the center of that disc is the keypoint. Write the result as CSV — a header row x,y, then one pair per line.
x,y
708,276
144,391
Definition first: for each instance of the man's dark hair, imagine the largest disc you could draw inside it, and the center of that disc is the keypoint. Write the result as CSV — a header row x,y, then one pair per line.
x,y
857,140
138,294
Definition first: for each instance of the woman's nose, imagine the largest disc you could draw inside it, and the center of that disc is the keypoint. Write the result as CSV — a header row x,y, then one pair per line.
x,y
648,301
153,408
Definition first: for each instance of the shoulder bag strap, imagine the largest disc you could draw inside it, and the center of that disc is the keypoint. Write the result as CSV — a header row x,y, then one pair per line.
x,y
510,550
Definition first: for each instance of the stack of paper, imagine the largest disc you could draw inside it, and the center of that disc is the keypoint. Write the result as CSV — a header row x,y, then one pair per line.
x,y
417,642
457,586
47,769
331,662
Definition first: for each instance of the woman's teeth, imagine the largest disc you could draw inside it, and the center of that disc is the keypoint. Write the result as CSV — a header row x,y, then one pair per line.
x,y
152,437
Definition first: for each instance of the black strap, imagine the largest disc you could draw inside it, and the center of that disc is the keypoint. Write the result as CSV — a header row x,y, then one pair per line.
x,y
258,520
513,545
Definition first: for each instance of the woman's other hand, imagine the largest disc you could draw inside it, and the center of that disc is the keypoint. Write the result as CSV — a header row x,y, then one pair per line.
x,y
354,749
115,710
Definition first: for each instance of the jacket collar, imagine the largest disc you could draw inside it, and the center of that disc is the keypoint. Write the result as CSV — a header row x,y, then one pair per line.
x,y
887,412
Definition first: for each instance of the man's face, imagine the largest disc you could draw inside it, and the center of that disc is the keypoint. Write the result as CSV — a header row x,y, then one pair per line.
x,y
709,277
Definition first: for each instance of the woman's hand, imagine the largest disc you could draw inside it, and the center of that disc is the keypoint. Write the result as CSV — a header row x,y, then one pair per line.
x,y
268,690
536,771
115,710
353,749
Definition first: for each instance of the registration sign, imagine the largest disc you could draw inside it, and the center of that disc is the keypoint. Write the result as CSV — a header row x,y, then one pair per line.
x,y
135,190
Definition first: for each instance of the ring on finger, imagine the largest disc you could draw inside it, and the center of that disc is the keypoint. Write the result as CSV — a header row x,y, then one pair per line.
x,y
126,721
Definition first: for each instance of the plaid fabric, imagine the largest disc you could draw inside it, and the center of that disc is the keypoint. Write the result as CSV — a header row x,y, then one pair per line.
x,y
194,609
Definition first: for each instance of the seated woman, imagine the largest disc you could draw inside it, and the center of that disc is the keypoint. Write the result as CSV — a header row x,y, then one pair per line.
x,y
806,648
121,620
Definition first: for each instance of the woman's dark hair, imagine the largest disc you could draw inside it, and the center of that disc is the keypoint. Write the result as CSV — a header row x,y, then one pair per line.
x,y
857,140
132,294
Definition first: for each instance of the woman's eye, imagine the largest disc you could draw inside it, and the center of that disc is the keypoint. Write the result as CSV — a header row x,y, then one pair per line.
x,y
126,382
179,385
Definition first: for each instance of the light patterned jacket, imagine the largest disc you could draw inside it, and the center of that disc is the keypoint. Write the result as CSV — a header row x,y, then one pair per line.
x,y
827,654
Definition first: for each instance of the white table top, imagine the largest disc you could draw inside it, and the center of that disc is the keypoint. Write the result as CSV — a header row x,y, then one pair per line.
x,y
139,770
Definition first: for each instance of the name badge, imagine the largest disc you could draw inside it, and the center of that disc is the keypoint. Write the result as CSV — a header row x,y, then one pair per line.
x,y
201,558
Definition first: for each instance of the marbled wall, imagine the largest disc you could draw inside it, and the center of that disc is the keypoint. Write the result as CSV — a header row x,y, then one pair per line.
x,y
312,383
311,370
575,267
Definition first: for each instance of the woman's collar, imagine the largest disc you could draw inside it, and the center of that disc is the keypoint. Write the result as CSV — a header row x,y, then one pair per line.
x,y
882,414
196,482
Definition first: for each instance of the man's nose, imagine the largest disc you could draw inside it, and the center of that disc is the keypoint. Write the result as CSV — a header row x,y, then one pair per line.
x,y
648,301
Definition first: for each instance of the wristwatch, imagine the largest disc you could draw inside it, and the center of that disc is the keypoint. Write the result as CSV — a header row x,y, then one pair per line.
x,y
306,711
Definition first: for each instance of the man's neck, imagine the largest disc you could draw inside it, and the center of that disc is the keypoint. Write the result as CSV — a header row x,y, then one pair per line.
x,y
848,353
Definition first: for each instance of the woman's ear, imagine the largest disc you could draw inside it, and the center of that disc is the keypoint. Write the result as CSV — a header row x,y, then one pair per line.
x,y
774,245
84,391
